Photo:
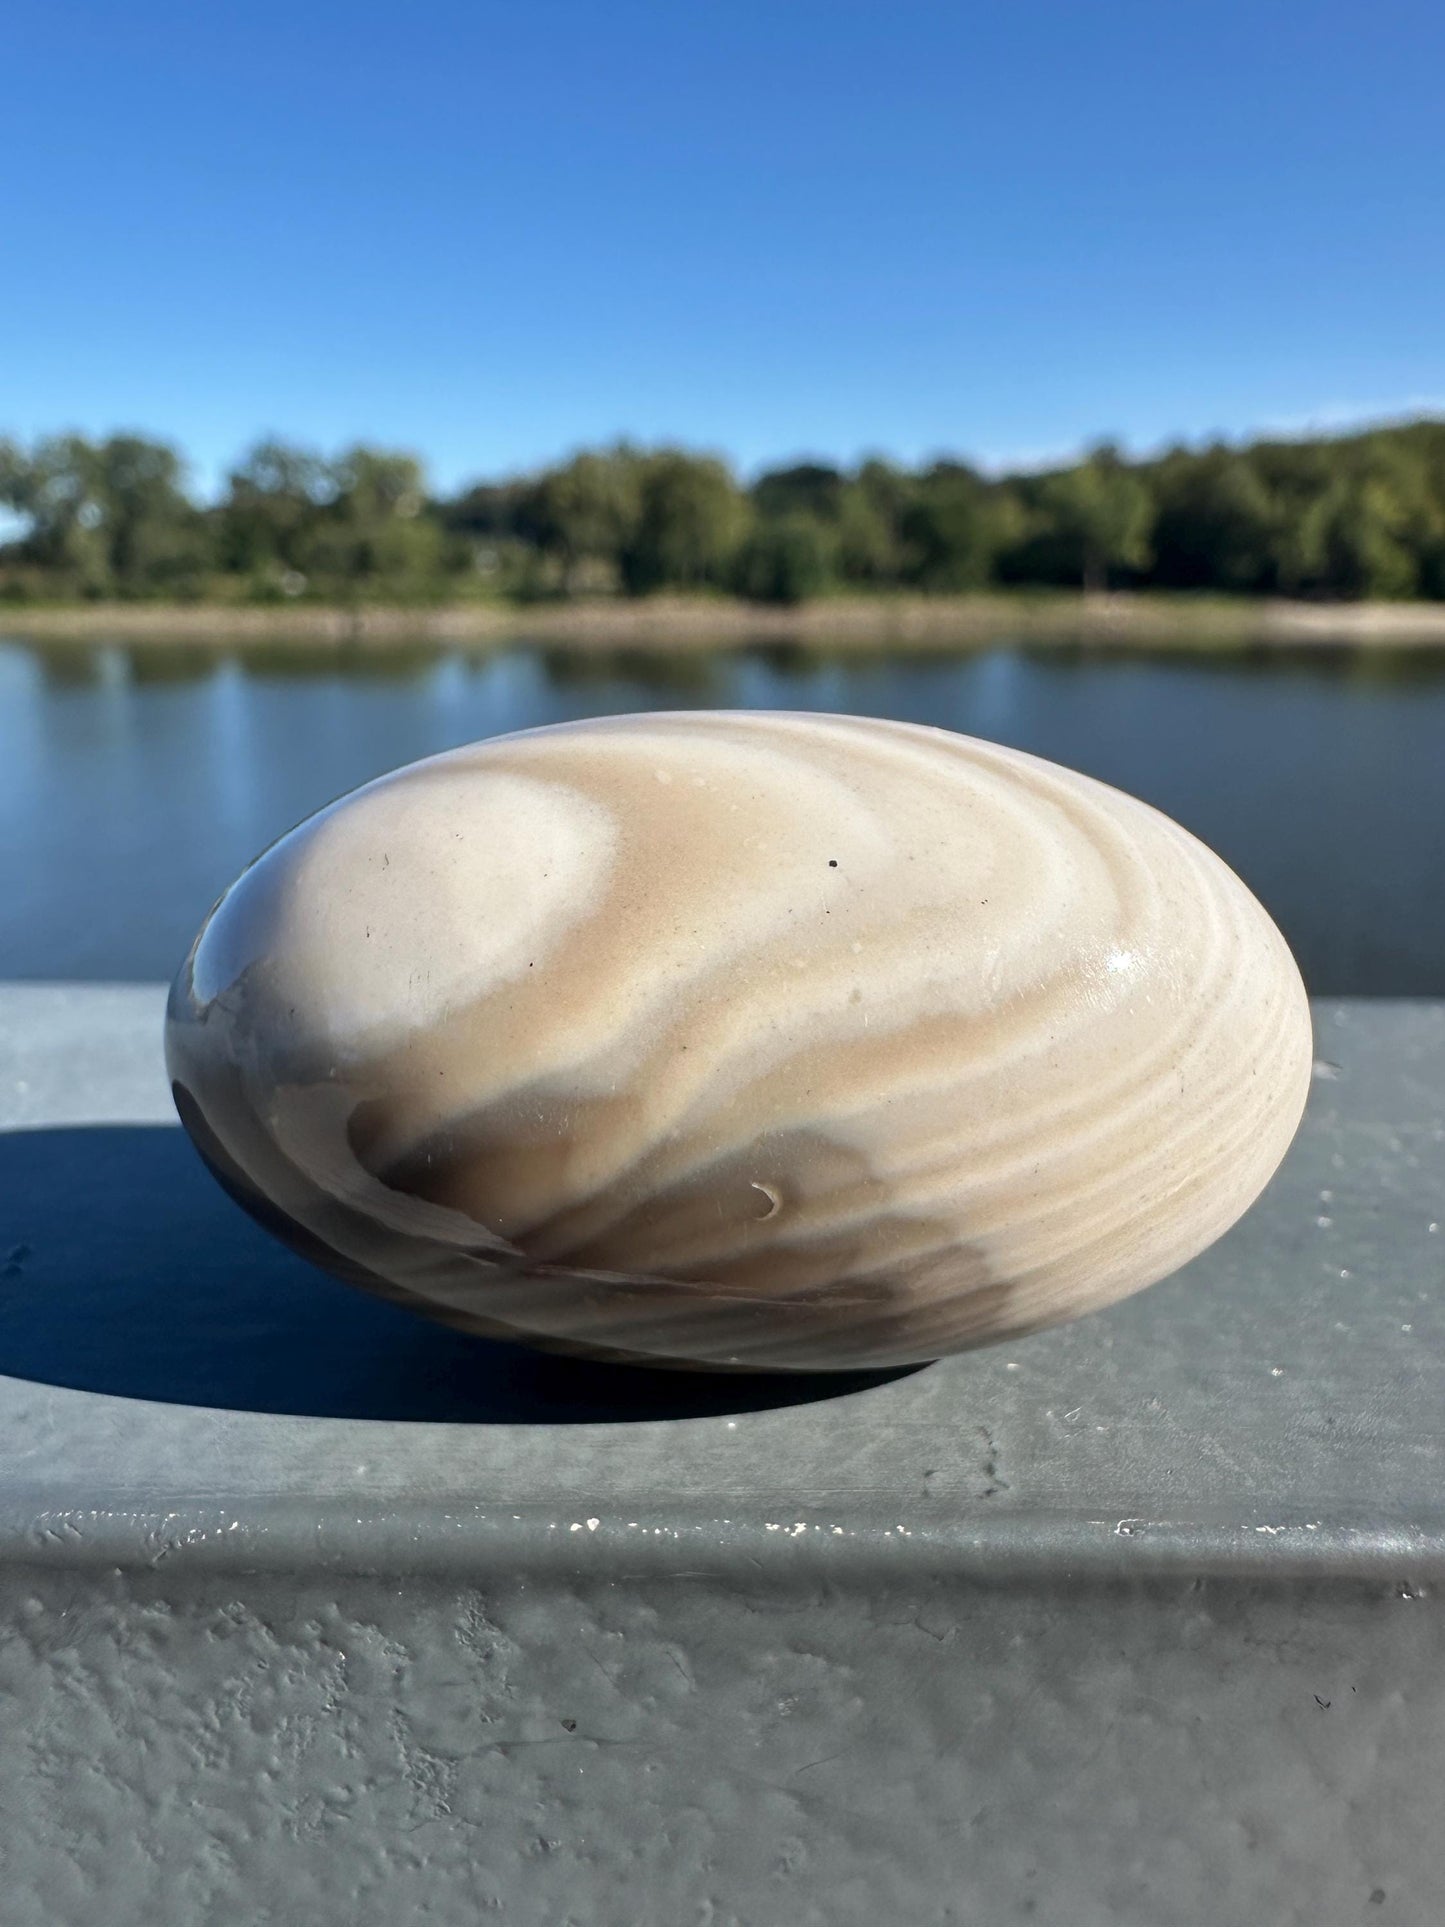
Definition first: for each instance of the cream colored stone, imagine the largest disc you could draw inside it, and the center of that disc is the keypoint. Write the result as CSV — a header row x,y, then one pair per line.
x,y
742,1040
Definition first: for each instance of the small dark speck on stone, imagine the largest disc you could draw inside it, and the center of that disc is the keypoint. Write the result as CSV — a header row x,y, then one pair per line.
x,y
570,1725
1377,1897
832,863
1324,1704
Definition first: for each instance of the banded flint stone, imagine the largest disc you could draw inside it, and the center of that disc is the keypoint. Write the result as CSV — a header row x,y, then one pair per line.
x,y
742,1040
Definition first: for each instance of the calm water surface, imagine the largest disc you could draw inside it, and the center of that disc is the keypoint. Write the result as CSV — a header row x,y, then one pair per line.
x,y
135,783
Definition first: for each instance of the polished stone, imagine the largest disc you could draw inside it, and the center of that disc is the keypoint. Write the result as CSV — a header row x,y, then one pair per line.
x,y
742,1040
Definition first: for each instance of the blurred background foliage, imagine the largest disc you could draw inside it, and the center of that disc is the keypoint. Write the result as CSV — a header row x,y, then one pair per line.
x,y
1344,517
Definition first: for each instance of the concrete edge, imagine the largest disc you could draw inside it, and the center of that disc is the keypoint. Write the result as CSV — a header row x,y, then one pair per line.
x,y
695,1543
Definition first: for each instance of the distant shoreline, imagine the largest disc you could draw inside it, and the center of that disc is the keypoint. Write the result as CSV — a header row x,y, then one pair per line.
x,y
678,623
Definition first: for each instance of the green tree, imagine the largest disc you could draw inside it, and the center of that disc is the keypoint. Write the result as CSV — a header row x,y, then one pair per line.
x,y
1354,515
490,510
375,535
1362,516
950,531
14,473
274,503
56,492
107,518
786,559
875,501
1364,540
587,514
808,488
156,540
691,519
1099,517
1215,525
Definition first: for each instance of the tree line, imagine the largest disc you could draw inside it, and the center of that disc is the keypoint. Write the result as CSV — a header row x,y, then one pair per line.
x,y
1346,516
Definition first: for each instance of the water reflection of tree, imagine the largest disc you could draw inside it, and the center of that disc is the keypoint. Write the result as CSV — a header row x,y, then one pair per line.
x,y
684,673
1227,656
72,667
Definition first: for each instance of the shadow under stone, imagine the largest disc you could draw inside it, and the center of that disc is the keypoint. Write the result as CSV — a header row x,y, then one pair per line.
x,y
124,1269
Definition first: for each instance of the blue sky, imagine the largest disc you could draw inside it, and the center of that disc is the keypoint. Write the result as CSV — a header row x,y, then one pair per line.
x,y
771,227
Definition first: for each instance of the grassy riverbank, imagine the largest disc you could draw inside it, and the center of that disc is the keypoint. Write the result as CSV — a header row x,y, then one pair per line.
x,y
666,623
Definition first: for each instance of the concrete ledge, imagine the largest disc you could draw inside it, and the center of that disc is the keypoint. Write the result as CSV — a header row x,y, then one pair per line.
x,y
312,1611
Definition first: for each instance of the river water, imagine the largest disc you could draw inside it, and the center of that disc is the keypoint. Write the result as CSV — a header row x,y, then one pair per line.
x,y
135,782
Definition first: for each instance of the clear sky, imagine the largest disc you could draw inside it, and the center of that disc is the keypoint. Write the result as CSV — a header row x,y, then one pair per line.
x,y
772,227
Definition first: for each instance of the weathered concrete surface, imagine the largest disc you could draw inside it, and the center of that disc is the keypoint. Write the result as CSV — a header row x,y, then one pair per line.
x,y
348,1620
